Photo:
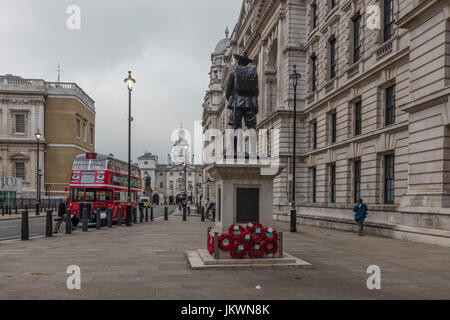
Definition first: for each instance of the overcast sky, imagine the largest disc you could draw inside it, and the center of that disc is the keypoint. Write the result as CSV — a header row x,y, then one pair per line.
x,y
167,45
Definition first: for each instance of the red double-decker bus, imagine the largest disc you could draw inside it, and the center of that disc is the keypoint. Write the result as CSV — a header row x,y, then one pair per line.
x,y
103,181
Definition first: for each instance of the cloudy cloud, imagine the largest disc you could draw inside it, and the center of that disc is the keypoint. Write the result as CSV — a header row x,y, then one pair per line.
x,y
167,45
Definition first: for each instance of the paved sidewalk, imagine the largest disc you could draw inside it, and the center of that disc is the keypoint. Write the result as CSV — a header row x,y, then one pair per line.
x,y
147,261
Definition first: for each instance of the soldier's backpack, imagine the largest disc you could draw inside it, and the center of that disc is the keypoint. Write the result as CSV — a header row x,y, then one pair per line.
x,y
245,80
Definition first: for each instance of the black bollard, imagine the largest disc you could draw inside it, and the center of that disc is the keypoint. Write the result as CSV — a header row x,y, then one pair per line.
x,y
85,220
109,217
134,215
98,220
68,222
129,218
184,213
25,228
189,210
166,214
3,211
37,209
202,212
151,214
146,214
119,217
17,212
49,224
141,214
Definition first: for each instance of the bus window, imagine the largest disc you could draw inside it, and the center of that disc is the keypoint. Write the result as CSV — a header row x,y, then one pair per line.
x,y
98,165
81,165
76,195
89,195
110,165
103,195
116,196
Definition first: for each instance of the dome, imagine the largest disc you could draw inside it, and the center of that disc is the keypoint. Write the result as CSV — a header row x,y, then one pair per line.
x,y
221,47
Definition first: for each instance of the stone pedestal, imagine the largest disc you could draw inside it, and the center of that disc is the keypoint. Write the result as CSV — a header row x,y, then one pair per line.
x,y
244,193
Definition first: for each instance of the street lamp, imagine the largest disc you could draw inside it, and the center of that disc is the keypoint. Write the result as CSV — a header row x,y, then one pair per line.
x,y
38,171
130,83
294,76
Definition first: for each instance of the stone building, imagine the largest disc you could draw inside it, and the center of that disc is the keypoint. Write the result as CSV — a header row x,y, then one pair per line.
x,y
167,180
64,115
373,109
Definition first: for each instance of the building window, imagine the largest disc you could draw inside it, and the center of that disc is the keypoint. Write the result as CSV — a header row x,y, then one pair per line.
x,y
332,4
20,170
389,186
314,15
333,183
388,19
92,136
314,135
356,38
333,123
20,123
358,118
84,132
161,174
171,174
390,106
161,185
314,185
313,72
357,181
332,44
78,128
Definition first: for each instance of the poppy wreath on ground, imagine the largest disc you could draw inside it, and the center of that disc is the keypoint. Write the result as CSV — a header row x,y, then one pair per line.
x,y
225,241
271,233
252,226
267,242
236,229
210,244
255,250
238,249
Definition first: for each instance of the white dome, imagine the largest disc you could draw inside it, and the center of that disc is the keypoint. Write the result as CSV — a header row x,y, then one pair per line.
x,y
221,47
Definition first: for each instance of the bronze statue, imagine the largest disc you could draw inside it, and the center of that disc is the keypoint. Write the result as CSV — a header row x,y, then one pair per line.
x,y
242,93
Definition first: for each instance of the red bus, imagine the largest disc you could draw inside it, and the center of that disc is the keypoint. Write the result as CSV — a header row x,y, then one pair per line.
x,y
103,181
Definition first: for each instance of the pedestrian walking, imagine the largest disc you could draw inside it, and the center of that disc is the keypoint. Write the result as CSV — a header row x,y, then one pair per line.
x,y
360,210
62,208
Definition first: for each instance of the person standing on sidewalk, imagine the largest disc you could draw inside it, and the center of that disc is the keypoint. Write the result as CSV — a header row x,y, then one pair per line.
x,y
62,216
360,210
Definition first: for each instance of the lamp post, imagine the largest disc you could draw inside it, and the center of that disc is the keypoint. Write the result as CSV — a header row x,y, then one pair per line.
x,y
207,189
38,171
185,182
130,83
294,77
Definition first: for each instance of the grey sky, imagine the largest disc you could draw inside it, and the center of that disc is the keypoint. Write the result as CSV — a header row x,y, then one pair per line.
x,y
167,45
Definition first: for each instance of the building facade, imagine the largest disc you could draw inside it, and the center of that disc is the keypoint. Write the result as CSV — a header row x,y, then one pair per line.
x,y
65,117
373,109
166,182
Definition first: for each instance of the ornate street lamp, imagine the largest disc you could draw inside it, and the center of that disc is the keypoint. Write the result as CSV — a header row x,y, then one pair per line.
x,y
130,83
38,171
294,76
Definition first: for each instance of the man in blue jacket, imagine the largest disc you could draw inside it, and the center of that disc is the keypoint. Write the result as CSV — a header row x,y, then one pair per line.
x,y
360,214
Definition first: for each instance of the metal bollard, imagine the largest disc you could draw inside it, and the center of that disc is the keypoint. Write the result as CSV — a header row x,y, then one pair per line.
x,y
3,211
141,214
85,220
119,217
37,209
280,245
68,222
98,225
202,212
128,221
134,215
25,228
184,213
151,214
17,212
189,210
146,214
166,213
109,217
49,224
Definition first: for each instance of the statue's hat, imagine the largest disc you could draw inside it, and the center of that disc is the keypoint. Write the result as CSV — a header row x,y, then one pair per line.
x,y
243,58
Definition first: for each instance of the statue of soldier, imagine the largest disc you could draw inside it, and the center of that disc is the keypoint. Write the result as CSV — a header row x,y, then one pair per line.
x,y
242,93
